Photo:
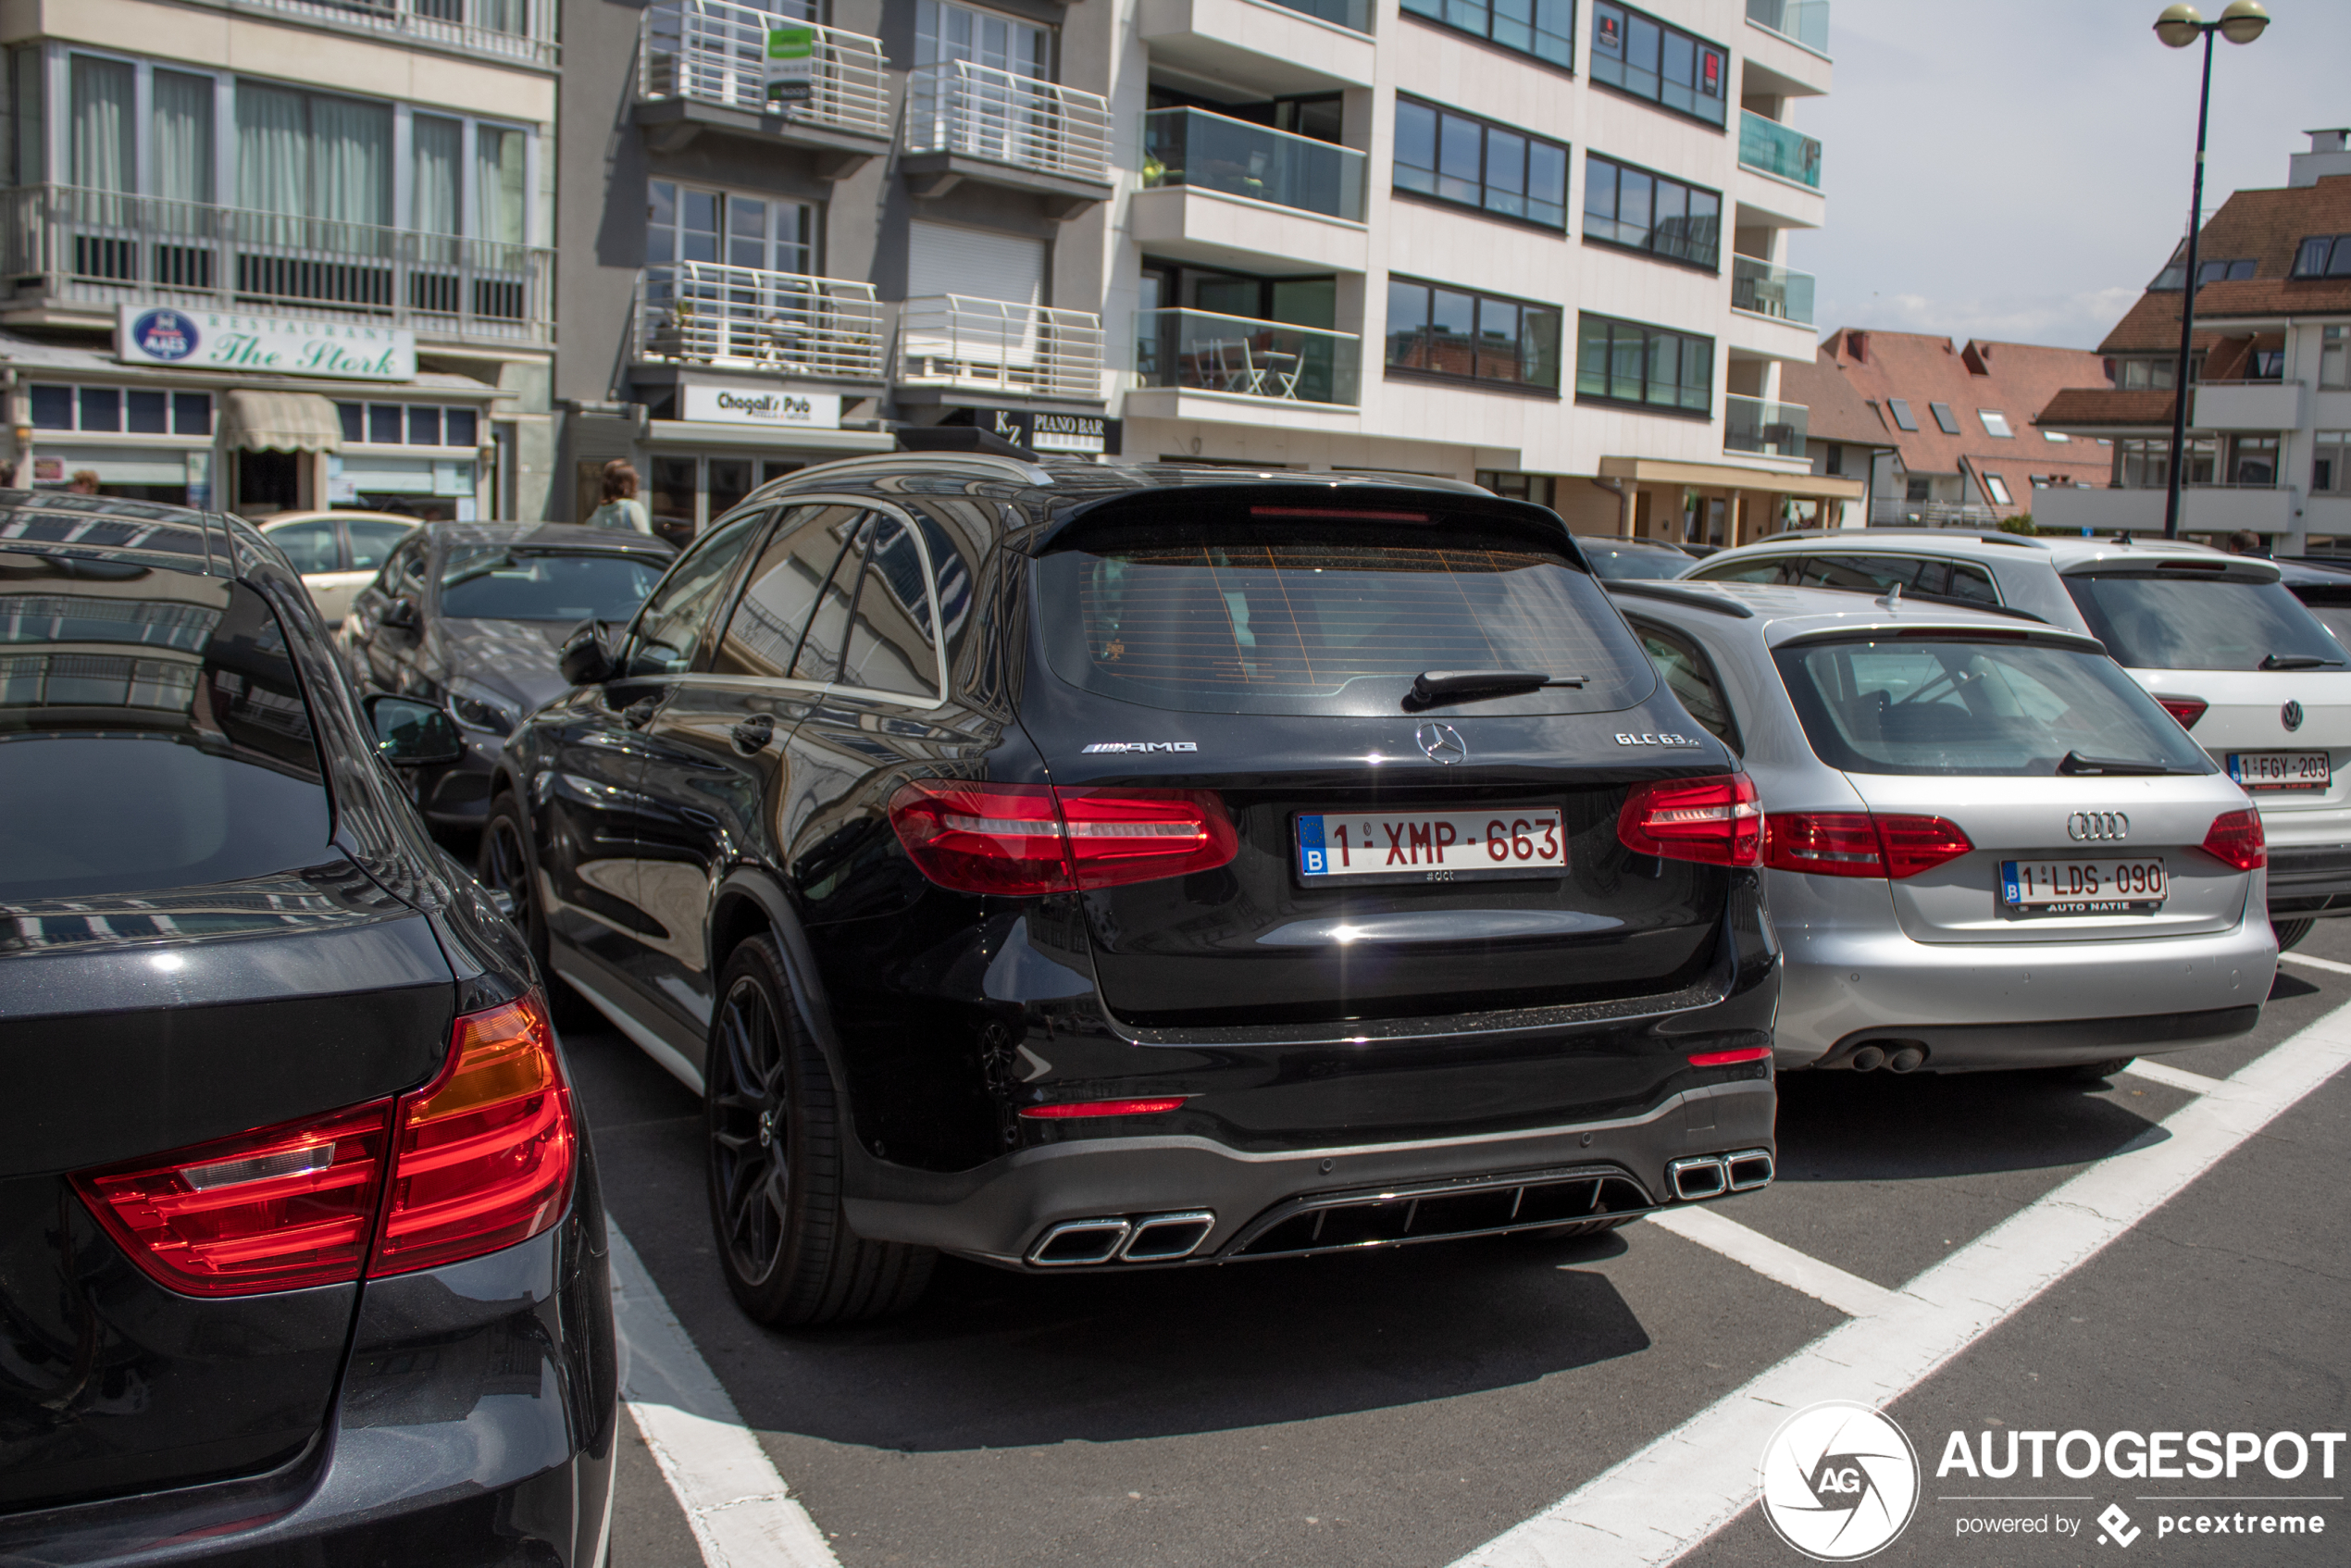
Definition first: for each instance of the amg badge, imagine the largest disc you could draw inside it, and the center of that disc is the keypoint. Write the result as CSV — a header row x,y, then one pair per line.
x,y
1142,746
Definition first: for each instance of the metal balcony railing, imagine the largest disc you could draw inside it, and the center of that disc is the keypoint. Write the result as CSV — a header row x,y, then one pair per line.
x,y
101,247
1892,512
1807,21
1767,290
1769,429
1206,352
989,345
714,51
981,112
742,318
515,30
1192,147
1768,145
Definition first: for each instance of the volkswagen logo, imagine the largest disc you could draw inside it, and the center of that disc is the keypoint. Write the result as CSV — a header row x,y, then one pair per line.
x,y
2083,825
1442,742
2291,716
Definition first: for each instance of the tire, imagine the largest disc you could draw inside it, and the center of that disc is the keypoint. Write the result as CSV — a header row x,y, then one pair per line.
x,y
2090,1072
774,1137
501,863
2291,932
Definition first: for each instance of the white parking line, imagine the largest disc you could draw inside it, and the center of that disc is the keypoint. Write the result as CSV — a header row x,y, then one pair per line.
x,y
741,1514
2327,964
1849,1293
2178,1078
1664,1499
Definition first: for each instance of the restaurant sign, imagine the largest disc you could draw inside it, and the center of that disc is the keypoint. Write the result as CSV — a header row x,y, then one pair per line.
x,y
220,340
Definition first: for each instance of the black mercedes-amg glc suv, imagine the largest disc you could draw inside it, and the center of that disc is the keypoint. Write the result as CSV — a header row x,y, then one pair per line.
x,y
1072,865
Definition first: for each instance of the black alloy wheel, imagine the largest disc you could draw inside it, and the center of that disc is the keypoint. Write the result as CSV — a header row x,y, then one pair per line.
x,y
776,1146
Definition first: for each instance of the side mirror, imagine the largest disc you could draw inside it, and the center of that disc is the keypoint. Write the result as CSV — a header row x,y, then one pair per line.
x,y
588,656
413,734
401,614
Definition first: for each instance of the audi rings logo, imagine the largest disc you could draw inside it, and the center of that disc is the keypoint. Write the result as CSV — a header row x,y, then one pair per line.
x,y
1839,1481
2084,826
1442,742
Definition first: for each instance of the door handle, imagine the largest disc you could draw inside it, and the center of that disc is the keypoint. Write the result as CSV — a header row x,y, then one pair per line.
x,y
637,714
753,734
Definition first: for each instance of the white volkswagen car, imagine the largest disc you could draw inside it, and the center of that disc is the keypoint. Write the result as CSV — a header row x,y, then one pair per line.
x,y
2226,648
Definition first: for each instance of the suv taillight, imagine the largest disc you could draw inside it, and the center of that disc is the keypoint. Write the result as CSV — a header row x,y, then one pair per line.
x,y
479,1159
2235,838
1022,840
1714,820
1858,843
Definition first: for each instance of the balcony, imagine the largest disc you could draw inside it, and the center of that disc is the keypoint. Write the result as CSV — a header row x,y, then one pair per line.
x,y
742,318
1767,429
1277,47
2247,406
966,121
1806,21
1238,356
991,346
521,30
1772,148
702,65
1761,289
1206,152
101,248
2203,509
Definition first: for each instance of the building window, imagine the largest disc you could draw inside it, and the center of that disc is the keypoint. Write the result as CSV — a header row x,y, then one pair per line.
x,y
1624,206
1455,158
1995,424
1453,333
2331,468
1538,487
2056,435
2323,256
1902,411
407,424
2146,375
945,32
2233,271
1997,488
2266,365
2253,461
1665,65
1944,419
1627,362
121,410
1544,29
1918,490
2145,463
689,223
2330,358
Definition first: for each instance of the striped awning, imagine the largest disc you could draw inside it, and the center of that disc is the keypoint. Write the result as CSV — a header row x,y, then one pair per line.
x,y
279,421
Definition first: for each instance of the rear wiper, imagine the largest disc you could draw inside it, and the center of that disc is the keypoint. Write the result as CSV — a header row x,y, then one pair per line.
x,y
2076,763
1432,687
2296,661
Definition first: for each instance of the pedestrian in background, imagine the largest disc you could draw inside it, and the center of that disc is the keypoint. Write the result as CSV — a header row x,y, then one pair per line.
x,y
85,481
621,509
2244,542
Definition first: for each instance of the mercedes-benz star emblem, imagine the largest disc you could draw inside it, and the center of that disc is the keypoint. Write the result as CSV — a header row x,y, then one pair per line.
x,y
2291,716
1442,742
2088,825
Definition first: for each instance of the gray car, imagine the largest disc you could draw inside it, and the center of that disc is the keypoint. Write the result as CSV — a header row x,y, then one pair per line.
x,y
1985,845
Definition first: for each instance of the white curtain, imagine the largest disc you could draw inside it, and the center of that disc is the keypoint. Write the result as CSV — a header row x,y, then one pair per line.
x,y
273,150
351,160
182,136
498,185
436,178
101,124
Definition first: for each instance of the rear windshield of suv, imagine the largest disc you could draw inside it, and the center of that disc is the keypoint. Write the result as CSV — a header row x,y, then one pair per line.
x,y
2181,621
1921,705
153,736
1292,615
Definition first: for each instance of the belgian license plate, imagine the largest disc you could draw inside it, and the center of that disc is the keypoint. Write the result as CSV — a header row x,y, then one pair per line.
x,y
1432,846
2082,887
2282,770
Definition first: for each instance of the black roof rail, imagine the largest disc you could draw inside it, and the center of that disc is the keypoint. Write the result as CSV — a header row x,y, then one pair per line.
x,y
1674,593
1982,536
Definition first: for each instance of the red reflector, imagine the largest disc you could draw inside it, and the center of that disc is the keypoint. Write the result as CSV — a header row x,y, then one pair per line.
x,y
1714,820
1022,840
2187,710
1103,1108
276,1209
1730,1057
2235,838
483,1154
1856,843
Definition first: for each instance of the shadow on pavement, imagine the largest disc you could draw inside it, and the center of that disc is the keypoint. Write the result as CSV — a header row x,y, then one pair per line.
x,y
1879,1127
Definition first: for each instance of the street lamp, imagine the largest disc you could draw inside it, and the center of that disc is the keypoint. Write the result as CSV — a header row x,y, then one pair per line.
x,y
2180,26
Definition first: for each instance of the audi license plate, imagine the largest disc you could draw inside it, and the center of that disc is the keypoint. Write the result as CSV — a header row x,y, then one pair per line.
x,y
2282,770
2082,887
1431,846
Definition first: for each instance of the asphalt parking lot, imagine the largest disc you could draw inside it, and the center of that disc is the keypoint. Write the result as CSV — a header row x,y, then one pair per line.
x,y
1981,1254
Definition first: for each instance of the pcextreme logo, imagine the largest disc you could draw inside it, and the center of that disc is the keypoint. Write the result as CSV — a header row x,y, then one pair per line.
x,y
1839,1481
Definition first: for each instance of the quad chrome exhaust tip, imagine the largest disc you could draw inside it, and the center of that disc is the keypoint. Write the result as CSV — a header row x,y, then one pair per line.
x,y
1146,1238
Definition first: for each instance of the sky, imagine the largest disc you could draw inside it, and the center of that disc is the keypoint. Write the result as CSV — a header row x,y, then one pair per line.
x,y
2019,169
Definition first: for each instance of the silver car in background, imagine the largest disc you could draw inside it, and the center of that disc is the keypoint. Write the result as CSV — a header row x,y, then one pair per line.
x,y
1986,845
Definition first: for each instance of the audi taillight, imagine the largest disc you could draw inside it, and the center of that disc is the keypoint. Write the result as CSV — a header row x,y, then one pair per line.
x,y
1022,840
1715,820
2187,710
1859,843
2235,838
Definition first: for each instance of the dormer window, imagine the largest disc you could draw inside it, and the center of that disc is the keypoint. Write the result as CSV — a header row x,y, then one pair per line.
x,y
2323,256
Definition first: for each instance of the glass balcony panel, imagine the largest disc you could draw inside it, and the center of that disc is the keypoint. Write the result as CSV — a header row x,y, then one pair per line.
x,y
1807,21
1205,352
1766,290
1207,152
1769,429
1353,14
1775,149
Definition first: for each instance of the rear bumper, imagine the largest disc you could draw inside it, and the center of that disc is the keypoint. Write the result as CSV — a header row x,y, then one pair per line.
x,y
2305,883
1991,1047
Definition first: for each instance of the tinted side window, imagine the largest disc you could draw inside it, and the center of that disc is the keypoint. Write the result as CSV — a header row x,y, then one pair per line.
x,y
820,645
1772,571
1972,583
1869,574
1691,675
671,624
764,633
893,641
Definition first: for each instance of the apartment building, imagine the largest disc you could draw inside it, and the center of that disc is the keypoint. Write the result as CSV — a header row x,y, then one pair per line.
x,y
274,254
2268,414
1539,242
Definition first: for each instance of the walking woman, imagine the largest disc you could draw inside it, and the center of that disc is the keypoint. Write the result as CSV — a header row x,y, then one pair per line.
x,y
621,509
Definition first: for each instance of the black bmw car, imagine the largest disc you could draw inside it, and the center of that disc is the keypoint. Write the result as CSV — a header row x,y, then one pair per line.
x,y
469,617
1072,867
301,1253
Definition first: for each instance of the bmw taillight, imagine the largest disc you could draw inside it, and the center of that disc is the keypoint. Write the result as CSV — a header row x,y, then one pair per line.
x,y
2187,710
1022,840
1859,843
2235,838
1715,820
